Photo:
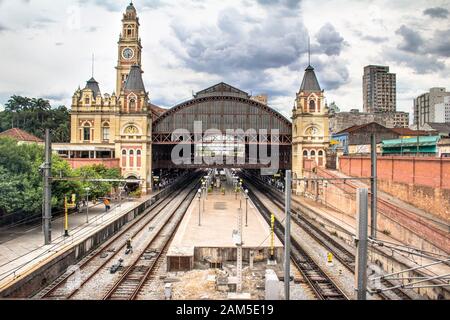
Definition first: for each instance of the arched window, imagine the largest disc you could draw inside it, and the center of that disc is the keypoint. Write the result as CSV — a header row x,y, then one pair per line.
x,y
86,131
305,153
105,131
138,158
131,156
124,158
312,106
320,153
132,105
313,153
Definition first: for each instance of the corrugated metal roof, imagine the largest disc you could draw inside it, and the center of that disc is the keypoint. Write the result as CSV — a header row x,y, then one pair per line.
x,y
423,141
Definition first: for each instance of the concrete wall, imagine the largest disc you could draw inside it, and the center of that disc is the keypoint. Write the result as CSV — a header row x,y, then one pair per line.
x,y
421,181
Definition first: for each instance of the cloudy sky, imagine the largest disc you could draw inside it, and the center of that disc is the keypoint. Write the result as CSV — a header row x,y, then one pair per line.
x,y
259,46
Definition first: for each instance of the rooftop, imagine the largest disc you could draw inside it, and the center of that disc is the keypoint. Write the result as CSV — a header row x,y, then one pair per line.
x,y
134,81
310,82
93,85
20,135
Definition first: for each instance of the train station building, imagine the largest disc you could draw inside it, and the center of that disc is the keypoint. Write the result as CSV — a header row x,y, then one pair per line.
x,y
125,130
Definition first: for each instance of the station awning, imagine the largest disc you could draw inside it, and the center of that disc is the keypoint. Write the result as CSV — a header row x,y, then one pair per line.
x,y
75,147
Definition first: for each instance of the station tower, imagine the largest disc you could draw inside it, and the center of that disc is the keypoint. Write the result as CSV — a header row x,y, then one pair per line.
x,y
310,128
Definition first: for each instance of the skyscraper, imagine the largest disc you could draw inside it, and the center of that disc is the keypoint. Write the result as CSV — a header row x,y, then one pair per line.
x,y
379,89
427,105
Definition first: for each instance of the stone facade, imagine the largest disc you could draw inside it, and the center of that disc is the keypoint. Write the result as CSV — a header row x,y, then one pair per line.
x,y
122,122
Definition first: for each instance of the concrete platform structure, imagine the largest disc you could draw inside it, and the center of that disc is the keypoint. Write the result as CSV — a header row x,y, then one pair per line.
x,y
28,265
212,242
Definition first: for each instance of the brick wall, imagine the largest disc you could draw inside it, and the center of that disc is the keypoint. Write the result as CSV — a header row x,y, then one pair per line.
x,y
421,181
109,163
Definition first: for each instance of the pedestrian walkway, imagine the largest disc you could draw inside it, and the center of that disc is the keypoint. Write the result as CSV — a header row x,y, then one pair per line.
x,y
23,253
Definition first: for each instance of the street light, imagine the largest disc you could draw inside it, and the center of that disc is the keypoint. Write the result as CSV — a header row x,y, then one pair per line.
x,y
199,194
87,189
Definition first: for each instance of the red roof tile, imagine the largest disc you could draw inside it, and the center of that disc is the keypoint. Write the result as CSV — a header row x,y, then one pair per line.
x,y
20,135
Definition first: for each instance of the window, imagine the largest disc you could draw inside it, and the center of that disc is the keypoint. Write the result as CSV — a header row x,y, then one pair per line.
x,y
305,153
87,133
320,153
105,133
313,153
312,106
132,105
124,152
131,153
87,101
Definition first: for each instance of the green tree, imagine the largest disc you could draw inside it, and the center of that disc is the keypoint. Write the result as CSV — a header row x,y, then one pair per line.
x,y
97,189
34,115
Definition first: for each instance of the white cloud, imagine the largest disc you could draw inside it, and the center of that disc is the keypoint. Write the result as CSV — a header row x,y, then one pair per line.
x,y
260,46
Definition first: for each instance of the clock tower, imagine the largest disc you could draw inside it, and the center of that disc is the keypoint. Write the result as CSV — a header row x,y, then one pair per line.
x,y
129,46
310,128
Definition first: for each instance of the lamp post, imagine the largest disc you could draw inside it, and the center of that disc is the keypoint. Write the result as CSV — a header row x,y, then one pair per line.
x,y
87,189
246,207
199,195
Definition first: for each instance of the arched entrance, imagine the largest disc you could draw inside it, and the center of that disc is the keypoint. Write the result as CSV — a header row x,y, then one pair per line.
x,y
132,186
223,123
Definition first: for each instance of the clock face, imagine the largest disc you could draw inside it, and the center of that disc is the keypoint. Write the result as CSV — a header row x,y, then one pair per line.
x,y
128,53
312,131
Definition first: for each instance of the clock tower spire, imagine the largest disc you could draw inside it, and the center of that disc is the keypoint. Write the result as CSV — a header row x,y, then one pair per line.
x,y
129,46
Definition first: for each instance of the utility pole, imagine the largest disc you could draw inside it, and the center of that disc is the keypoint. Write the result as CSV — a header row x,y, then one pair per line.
x,y
87,204
47,196
361,244
199,207
246,207
373,188
287,235
239,253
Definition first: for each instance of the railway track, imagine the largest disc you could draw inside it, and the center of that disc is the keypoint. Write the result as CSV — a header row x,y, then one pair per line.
x,y
321,284
342,254
142,268
99,258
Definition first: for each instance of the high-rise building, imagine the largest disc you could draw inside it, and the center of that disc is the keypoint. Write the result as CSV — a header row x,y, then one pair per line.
x,y
442,111
427,106
379,89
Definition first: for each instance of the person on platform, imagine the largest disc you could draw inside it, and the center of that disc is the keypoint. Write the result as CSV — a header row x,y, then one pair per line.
x,y
107,204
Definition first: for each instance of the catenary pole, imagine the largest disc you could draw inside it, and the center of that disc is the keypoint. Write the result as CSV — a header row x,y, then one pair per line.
x,y
361,244
47,196
373,188
287,236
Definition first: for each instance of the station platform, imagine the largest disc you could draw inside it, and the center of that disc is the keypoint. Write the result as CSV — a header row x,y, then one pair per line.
x,y
212,241
25,252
